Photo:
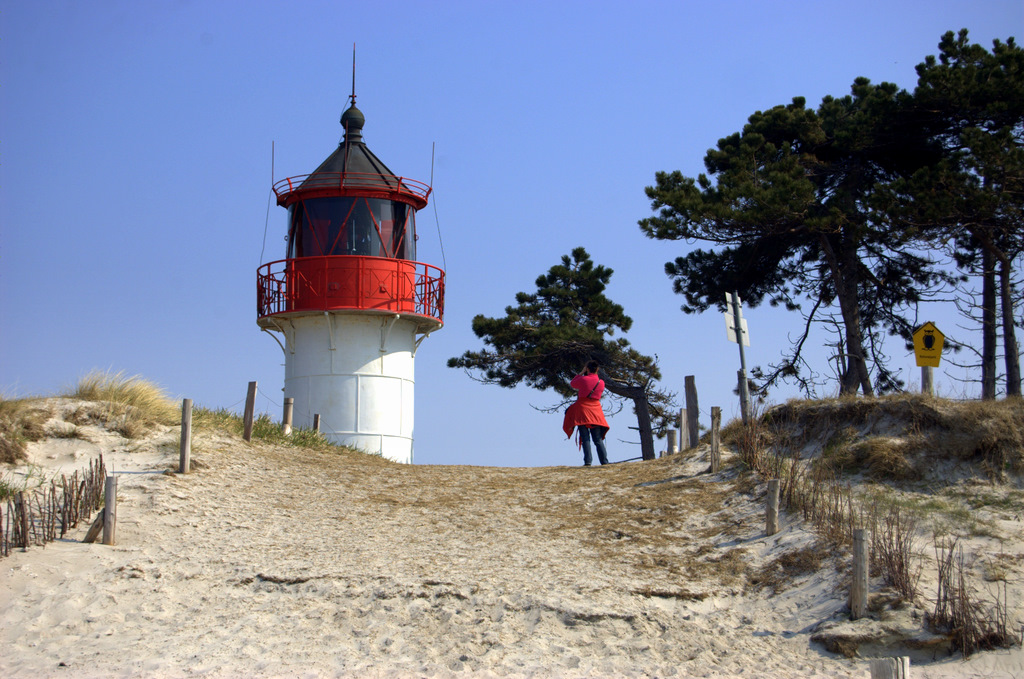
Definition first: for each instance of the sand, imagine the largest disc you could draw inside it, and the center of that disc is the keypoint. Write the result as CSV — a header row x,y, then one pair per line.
x,y
272,561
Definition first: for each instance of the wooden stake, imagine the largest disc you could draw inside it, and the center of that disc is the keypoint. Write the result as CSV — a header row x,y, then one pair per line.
x,y
772,510
250,405
692,411
94,529
890,668
185,459
672,450
22,510
926,380
316,422
110,510
286,418
859,588
716,440
684,431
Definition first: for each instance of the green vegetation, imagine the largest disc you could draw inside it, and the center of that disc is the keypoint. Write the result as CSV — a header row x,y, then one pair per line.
x,y
263,429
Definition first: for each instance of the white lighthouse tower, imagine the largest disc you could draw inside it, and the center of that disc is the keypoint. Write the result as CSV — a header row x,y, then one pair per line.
x,y
350,301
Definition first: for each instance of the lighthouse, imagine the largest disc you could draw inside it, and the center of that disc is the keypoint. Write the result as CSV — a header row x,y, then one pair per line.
x,y
350,305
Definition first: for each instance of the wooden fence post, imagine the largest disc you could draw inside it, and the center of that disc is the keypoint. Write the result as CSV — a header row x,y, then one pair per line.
x,y
716,439
22,508
890,668
692,411
859,588
250,405
772,510
110,510
684,431
185,459
672,450
286,418
316,422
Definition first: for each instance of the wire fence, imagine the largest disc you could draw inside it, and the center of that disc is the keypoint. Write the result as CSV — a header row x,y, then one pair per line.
x,y
46,513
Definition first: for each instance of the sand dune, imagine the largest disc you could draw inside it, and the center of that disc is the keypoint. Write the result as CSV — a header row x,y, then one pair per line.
x,y
271,561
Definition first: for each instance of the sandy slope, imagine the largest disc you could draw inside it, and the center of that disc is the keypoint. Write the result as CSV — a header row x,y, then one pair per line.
x,y
270,561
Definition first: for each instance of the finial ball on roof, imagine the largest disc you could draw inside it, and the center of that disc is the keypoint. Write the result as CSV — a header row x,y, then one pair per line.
x,y
352,118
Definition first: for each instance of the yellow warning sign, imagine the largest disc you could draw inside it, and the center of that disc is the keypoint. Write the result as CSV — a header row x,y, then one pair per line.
x,y
928,345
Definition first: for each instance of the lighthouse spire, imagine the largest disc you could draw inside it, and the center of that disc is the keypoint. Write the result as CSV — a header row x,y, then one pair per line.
x,y
352,119
353,74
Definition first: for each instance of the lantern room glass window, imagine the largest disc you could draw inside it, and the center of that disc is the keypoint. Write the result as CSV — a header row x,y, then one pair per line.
x,y
372,227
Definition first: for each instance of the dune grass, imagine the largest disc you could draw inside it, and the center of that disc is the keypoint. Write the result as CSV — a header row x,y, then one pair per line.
x,y
132,404
20,423
900,437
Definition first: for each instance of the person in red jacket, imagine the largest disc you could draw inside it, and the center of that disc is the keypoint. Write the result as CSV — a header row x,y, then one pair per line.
x,y
586,414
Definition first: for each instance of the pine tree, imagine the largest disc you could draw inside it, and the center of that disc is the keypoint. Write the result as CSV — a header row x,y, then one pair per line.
x,y
547,337
787,202
970,101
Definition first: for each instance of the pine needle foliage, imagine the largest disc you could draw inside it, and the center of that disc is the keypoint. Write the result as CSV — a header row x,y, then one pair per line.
x,y
550,334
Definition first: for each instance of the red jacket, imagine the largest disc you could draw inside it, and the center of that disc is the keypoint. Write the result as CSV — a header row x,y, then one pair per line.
x,y
586,411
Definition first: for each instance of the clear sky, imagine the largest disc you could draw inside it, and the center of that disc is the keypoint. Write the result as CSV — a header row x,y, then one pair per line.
x,y
136,163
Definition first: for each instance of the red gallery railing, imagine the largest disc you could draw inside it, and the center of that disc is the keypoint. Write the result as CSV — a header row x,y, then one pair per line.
x,y
350,282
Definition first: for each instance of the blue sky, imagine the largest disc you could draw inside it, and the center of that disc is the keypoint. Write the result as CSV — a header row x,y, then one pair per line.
x,y
136,165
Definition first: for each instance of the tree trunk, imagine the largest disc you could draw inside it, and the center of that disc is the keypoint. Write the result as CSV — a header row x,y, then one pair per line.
x,y
643,411
992,254
988,325
846,283
1010,351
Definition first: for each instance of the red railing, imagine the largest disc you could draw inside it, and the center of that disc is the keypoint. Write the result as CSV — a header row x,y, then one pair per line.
x,y
341,182
350,282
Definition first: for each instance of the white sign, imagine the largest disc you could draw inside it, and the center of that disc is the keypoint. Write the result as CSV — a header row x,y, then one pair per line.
x,y
730,328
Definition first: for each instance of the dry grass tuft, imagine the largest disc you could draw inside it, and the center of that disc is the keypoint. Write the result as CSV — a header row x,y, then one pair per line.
x,y
680,595
21,421
133,404
788,566
880,457
971,623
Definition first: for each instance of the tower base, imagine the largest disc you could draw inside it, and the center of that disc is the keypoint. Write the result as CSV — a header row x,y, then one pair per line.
x,y
356,372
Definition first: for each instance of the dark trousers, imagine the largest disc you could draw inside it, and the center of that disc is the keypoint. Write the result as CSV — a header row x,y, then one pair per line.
x,y
597,433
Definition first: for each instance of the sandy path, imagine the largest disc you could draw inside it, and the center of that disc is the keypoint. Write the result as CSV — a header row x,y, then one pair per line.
x,y
277,562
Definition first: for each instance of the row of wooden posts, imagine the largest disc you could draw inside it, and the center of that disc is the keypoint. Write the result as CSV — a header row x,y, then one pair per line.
x,y
689,432
248,417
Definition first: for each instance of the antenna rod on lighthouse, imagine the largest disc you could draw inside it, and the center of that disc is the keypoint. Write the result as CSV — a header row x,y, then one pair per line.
x,y
353,74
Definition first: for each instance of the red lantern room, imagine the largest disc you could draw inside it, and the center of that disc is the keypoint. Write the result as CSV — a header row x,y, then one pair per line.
x,y
351,239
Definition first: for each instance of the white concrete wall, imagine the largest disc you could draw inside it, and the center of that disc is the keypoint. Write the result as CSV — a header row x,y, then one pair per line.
x,y
364,395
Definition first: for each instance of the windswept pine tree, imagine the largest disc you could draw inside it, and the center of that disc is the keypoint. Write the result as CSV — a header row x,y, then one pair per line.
x,y
547,337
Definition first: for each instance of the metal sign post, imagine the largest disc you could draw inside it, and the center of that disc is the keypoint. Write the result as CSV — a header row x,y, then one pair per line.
x,y
736,331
